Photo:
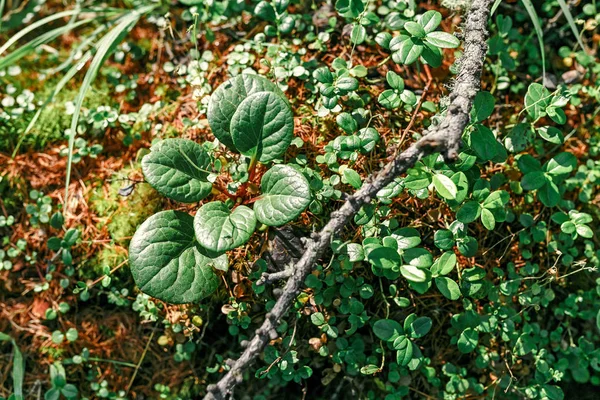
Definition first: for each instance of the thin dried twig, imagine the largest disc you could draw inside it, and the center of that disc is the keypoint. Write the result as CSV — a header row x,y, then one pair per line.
x,y
444,138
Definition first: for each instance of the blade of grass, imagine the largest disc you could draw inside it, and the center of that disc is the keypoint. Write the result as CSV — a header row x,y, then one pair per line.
x,y
495,7
104,48
538,31
2,3
59,86
18,370
565,9
85,43
35,43
36,25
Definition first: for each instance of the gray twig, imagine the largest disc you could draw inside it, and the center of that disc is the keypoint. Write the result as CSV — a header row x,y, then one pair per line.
x,y
444,138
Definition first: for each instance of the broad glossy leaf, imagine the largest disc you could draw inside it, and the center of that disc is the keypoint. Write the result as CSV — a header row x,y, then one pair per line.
x,y
415,29
560,164
389,99
444,264
387,329
537,99
404,356
263,126
178,169
487,218
551,134
285,194
483,142
445,186
384,257
168,263
469,212
410,50
227,97
448,287
442,40
420,327
220,229
443,239
407,238
418,257
483,106
549,194
414,274
533,180
430,20
467,340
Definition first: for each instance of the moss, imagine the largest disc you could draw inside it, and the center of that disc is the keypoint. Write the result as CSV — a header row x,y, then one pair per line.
x,y
54,120
122,214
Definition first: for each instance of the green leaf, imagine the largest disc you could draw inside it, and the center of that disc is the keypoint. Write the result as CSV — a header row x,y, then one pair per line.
x,y
420,327
415,29
448,287
369,369
468,340
387,329
551,134
389,99
265,11
347,123
352,177
220,229
414,274
262,127
285,194
537,99
395,81
442,40
407,238
404,356
562,163
483,106
358,35
483,142
487,218
443,239
549,194
585,231
430,20
533,180
469,212
445,186
418,257
409,52
178,169
351,8
168,263
317,318
226,99
384,257
432,55
444,264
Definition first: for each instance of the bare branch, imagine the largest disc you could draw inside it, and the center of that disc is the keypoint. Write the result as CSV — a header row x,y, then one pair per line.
x,y
444,138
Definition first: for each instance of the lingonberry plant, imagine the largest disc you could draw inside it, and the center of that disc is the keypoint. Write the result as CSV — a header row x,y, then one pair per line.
x,y
173,256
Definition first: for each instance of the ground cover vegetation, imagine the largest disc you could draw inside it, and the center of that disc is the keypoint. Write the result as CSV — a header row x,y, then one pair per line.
x,y
320,199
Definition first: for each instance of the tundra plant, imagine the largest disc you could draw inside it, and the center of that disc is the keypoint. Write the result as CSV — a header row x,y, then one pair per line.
x,y
173,256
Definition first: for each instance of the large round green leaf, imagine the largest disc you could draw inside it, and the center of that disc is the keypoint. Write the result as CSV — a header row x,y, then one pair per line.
x,y
178,169
228,96
220,229
285,194
168,263
263,126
